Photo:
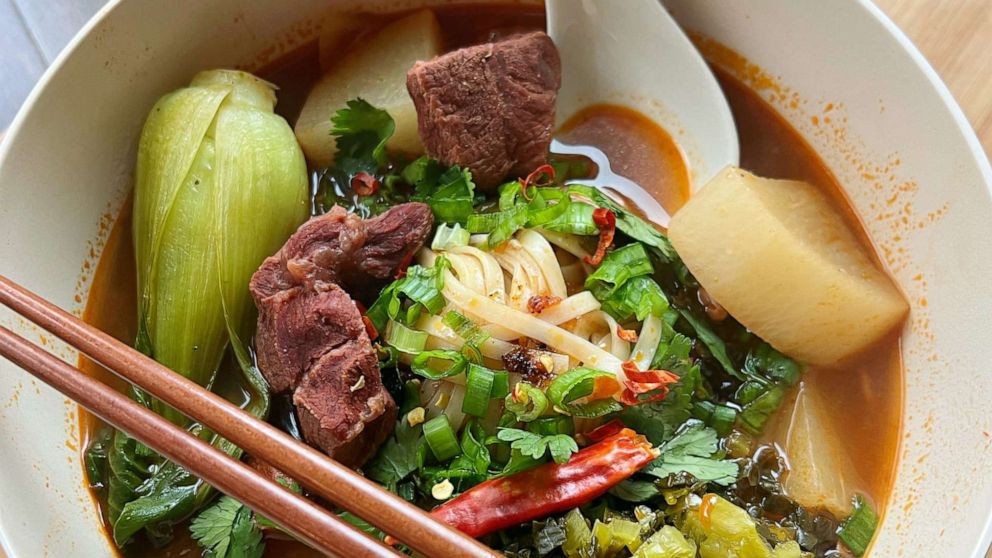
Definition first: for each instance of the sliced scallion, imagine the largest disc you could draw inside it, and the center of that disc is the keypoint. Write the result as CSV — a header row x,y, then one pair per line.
x,y
478,387
527,402
501,384
441,438
448,237
404,339
420,364
858,529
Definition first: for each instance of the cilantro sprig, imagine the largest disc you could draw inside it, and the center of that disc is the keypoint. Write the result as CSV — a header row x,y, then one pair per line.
x,y
535,446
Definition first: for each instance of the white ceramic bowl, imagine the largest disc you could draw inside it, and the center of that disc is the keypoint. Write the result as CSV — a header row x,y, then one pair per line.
x,y
886,126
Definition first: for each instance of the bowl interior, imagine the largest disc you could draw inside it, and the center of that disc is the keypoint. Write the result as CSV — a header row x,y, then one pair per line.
x,y
837,70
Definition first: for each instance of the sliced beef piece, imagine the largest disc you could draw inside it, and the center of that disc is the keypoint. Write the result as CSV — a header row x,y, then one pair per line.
x,y
311,340
342,405
298,325
489,107
340,247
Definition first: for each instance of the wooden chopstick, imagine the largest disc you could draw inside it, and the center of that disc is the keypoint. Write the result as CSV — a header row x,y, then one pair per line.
x,y
324,476
304,519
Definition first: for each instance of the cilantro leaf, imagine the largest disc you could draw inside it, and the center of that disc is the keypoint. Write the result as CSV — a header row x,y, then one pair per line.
x,y
227,530
691,451
398,457
660,420
361,131
561,446
449,192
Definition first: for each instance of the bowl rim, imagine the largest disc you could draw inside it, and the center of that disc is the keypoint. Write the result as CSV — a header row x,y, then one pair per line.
x,y
965,128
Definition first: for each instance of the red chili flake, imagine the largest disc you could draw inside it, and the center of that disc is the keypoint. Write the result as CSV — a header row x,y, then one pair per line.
x,y
627,334
638,383
404,263
369,328
533,180
606,220
364,184
539,303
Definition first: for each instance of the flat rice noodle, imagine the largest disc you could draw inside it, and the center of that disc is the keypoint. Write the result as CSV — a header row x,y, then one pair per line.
x,y
526,325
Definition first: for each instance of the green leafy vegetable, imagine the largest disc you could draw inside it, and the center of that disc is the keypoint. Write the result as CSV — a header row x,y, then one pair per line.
x,y
658,421
630,224
637,297
713,342
617,267
691,451
561,446
361,132
398,457
450,193
566,390
227,530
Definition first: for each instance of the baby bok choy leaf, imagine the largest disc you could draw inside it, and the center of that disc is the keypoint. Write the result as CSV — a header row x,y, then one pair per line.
x,y
220,184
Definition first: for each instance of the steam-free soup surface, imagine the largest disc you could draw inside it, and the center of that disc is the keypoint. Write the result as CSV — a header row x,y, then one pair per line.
x,y
864,395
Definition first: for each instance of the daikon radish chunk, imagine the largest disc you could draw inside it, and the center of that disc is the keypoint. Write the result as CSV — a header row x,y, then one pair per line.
x,y
336,35
376,72
782,261
821,472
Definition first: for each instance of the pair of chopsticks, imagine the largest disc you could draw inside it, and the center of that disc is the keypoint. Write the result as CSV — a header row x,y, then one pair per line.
x,y
310,523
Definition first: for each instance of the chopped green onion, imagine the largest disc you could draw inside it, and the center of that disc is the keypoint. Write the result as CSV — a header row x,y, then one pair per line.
x,y
478,387
576,384
527,402
421,285
617,267
441,438
858,529
501,384
448,237
468,330
404,339
420,363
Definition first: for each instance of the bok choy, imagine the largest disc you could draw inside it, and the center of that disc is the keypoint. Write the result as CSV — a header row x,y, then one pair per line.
x,y
220,184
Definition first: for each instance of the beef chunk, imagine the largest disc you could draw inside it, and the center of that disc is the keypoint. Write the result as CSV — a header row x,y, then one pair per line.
x,y
340,247
489,107
311,340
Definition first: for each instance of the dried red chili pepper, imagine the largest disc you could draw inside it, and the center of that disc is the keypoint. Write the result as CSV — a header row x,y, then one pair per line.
x,y
627,334
364,184
547,489
638,383
606,220
404,263
604,431
369,328
539,303
527,184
